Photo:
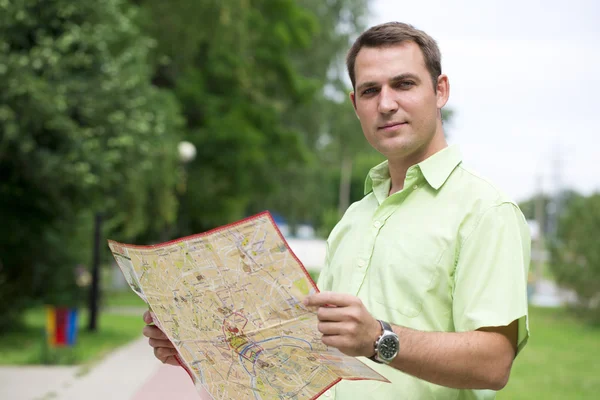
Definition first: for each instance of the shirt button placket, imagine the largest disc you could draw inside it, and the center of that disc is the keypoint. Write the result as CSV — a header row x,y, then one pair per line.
x,y
366,255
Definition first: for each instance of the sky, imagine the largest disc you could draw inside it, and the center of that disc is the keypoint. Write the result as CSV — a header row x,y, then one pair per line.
x,y
524,86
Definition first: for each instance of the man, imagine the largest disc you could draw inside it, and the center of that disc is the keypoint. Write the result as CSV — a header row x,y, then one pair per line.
x,y
426,275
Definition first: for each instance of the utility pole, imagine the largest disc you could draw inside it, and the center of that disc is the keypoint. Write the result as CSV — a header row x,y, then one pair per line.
x,y
540,217
95,288
557,197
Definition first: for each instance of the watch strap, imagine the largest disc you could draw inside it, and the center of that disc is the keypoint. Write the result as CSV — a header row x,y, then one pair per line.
x,y
384,326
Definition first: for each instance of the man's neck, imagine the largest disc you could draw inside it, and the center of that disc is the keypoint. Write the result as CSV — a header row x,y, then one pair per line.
x,y
399,166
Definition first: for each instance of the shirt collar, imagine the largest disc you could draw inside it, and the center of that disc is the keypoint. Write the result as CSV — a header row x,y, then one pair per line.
x,y
377,175
436,169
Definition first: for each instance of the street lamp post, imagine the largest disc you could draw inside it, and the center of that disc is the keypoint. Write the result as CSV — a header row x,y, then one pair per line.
x,y
187,153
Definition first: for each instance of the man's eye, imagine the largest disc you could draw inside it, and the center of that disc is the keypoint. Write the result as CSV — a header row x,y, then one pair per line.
x,y
406,84
369,91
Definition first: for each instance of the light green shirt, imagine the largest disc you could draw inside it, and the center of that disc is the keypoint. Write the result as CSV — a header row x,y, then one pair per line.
x,y
448,253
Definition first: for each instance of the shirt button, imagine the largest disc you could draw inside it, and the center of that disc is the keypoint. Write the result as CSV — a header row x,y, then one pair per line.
x,y
415,187
328,393
361,263
377,224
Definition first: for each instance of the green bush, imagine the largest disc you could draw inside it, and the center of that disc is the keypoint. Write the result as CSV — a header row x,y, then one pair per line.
x,y
575,253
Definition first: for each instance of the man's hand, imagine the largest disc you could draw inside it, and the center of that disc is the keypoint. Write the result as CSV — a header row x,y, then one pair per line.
x,y
345,323
163,348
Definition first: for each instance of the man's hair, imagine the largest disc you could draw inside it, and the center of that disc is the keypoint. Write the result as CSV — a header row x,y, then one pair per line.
x,y
393,33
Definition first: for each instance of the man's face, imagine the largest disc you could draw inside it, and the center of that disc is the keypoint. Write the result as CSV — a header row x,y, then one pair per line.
x,y
396,102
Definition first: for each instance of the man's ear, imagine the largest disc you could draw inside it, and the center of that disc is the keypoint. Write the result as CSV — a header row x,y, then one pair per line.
x,y
353,100
443,91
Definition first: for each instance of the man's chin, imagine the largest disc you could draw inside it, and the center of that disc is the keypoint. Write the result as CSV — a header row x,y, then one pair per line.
x,y
394,145
400,149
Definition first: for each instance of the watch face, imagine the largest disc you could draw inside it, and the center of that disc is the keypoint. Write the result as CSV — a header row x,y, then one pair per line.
x,y
388,348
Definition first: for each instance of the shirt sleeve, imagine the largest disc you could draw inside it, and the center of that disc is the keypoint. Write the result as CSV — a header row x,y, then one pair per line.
x,y
490,287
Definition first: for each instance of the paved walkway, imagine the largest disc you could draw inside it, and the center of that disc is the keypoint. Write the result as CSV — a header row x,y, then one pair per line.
x,y
170,382
27,383
129,373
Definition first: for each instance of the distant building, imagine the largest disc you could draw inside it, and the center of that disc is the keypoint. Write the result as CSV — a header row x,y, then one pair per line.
x,y
309,249
534,229
536,253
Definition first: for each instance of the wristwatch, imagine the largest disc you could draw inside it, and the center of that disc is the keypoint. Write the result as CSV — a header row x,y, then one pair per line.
x,y
386,346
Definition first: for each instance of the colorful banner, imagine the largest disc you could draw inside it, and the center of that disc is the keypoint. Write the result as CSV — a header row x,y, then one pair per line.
x,y
61,326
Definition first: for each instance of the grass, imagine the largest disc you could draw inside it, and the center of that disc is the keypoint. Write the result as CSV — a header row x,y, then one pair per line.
x,y
561,360
122,298
26,345
314,275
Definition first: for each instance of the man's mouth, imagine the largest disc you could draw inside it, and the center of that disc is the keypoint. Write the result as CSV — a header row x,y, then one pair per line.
x,y
391,126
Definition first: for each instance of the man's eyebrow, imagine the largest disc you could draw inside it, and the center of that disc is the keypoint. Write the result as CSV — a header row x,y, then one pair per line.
x,y
365,85
396,78
407,75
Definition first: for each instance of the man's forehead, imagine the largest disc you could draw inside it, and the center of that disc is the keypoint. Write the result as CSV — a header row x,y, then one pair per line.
x,y
387,62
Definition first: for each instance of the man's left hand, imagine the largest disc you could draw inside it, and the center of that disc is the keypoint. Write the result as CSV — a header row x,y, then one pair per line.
x,y
345,323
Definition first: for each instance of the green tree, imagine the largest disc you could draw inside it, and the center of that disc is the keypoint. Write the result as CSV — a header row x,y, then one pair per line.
x,y
575,254
250,76
309,190
81,129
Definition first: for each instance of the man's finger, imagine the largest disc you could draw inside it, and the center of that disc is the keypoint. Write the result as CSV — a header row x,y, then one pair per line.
x,y
160,343
329,299
334,314
172,361
147,317
162,353
329,328
152,332
332,340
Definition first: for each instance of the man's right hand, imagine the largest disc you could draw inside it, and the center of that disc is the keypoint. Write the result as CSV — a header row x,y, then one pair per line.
x,y
163,348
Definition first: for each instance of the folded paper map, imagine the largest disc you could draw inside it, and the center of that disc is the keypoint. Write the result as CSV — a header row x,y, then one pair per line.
x,y
230,300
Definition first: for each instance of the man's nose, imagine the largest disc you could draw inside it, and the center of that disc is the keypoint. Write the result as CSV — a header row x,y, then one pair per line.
x,y
387,101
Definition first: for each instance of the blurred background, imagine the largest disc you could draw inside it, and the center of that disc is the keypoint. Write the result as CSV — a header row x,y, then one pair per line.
x,y
144,120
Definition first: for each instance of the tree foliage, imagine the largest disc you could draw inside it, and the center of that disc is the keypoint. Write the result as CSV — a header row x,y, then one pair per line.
x,y
95,96
575,254
81,129
251,78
